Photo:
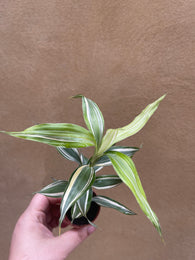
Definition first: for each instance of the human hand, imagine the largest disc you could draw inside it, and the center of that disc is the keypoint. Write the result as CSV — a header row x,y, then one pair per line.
x,y
33,239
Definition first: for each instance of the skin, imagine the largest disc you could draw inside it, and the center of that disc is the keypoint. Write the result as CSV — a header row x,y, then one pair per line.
x,y
33,239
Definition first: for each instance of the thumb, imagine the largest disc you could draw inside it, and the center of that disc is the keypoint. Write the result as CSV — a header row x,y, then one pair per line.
x,y
69,240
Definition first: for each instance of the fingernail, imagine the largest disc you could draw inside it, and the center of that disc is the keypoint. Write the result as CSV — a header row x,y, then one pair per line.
x,y
90,229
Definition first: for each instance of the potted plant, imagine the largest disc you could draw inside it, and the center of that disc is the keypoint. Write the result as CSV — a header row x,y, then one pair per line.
x,y
79,203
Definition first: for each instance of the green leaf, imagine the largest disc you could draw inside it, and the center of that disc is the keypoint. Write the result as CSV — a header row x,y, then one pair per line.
x,y
93,118
82,205
71,154
97,168
110,203
107,141
105,161
75,211
84,202
55,189
139,122
106,182
126,170
81,180
129,151
59,134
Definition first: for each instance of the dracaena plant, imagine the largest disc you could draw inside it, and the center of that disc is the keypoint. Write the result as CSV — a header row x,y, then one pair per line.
x,y
77,191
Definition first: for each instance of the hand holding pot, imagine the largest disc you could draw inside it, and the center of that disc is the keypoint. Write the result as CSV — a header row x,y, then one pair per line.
x,y
33,238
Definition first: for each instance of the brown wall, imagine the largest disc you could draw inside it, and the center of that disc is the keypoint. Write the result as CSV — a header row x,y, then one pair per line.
x,y
122,54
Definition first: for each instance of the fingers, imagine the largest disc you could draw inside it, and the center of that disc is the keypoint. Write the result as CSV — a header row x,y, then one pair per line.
x,y
51,209
68,241
41,203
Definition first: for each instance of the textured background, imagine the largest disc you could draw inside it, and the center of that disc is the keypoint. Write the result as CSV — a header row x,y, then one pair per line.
x,y
124,55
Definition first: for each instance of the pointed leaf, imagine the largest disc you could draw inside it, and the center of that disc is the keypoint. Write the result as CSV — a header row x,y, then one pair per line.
x,y
106,182
59,134
71,154
105,161
93,119
81,180
139,122
110,203
55,189
126,170
129,151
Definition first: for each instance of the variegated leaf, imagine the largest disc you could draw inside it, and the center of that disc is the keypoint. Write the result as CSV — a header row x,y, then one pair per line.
x,y
84,160
71,154
93,118
81,180
106,181
139,122
107,142
84,202
75,211
55,189
97,168
105,161
126,170
59,134
104,201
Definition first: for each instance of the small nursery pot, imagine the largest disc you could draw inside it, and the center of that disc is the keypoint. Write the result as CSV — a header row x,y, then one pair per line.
x,y
91,215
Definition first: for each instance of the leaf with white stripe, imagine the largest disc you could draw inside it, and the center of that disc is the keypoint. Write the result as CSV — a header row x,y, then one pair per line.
x,y
106,182
55,189
126,170
58,134
139,122
84,160
71,154
97,168
80,181
93,118
107,142
104,201
105,161
84,202
75,212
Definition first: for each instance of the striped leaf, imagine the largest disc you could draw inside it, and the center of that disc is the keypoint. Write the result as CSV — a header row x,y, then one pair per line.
x,y
82,205
80,181
84,160
126,170
97,168
55,189
71,154
106,181
84,202
93,118
59,134
139,122
105,161
75,211
107,142
104,201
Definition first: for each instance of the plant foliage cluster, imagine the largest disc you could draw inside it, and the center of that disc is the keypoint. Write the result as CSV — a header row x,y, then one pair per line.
x,y
77,192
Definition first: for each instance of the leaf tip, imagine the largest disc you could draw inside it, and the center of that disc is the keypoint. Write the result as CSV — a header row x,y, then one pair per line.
x,y
141,146
161,98
77,96
59,230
